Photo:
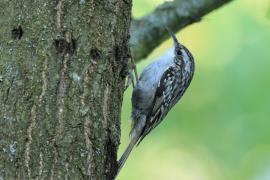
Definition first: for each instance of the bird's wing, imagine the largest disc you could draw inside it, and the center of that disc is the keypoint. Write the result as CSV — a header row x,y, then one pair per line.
x,y
163,97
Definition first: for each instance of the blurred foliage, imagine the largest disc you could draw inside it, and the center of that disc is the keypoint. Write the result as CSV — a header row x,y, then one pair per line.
x,y
220,130
268,13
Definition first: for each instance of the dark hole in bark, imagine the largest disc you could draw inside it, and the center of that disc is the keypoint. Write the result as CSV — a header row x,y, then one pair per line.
x,y
17,33
62,46
95,53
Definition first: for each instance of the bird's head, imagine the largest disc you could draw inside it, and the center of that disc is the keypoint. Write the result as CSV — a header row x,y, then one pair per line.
x,y
178,47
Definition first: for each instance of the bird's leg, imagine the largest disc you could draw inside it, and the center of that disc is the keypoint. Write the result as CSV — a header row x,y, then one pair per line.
x,y
134,69
130,77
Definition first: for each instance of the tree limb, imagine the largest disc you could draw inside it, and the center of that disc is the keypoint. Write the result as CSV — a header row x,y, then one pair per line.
x,y
148,32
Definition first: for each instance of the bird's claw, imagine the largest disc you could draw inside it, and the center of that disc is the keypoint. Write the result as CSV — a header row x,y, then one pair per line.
x,y
130,79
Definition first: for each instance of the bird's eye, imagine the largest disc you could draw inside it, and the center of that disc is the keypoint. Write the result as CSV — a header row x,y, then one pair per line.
x,y
179,52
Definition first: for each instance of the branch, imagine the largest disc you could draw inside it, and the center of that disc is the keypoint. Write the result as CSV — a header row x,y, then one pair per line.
x,y
148,32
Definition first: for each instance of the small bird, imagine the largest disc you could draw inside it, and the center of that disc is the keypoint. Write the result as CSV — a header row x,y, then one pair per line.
x,y
159,88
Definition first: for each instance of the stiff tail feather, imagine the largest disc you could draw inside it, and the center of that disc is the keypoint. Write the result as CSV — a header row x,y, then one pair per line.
x,y
128,150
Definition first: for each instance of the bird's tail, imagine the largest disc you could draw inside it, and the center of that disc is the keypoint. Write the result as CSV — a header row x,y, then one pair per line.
x,y
128,150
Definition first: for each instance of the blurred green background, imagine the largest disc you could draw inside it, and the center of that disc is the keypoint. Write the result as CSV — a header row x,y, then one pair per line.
x,y
220,130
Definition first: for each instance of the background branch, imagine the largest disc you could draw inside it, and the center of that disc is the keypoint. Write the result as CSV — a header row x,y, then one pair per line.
x,y
148,32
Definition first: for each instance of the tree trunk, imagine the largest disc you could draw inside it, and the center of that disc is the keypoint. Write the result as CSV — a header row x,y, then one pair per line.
x,y
62,71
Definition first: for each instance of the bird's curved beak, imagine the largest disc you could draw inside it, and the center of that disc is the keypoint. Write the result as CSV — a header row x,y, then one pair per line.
x,y
173,36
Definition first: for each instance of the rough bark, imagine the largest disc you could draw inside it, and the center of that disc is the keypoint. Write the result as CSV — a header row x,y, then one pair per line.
x,y
149,31
62,69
